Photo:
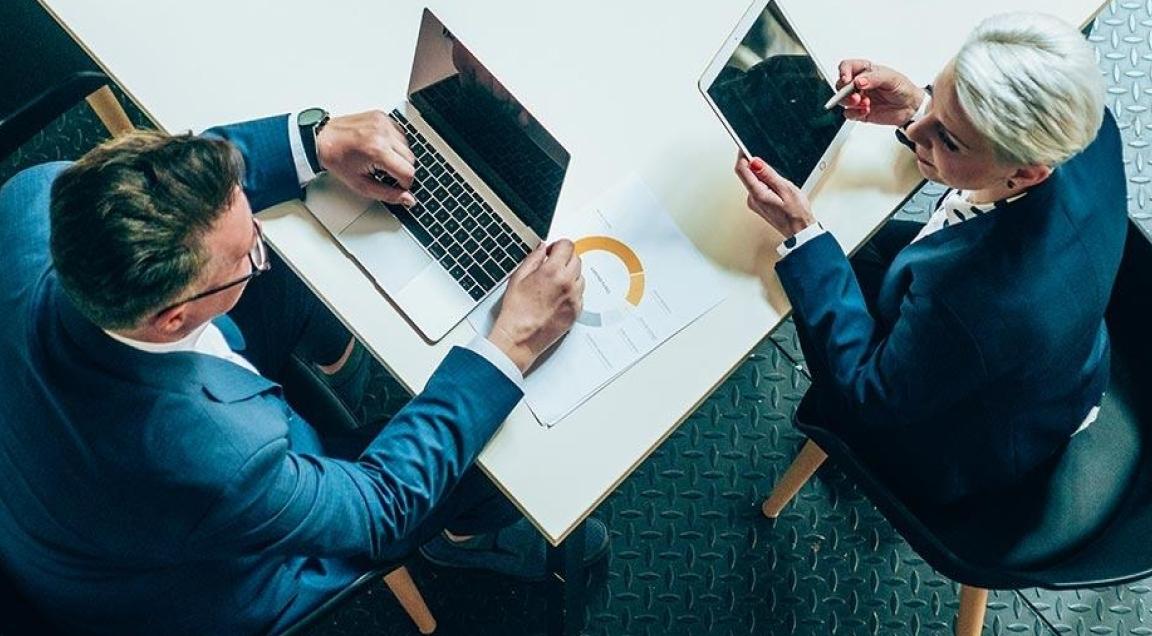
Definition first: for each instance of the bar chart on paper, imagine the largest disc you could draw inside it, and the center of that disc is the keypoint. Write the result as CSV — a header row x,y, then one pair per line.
x,y
644,281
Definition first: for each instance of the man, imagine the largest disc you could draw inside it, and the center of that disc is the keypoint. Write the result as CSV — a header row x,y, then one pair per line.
x,y
155,479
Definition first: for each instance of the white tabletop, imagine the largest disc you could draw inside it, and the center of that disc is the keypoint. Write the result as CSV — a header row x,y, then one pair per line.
x,y
615,81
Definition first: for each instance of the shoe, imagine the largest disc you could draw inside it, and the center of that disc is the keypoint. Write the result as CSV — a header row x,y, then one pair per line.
x,y
518,551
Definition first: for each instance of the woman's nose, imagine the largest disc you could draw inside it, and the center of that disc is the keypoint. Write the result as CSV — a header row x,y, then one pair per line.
x,y
917,133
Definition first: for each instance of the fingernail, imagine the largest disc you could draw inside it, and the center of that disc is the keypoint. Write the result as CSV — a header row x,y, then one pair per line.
x,y
757,164
407,200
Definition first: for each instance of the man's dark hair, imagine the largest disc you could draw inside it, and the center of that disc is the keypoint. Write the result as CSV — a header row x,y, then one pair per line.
x,y
128,221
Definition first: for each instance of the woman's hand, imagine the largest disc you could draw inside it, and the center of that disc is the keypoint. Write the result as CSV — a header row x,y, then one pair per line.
x,y
882,95
774,198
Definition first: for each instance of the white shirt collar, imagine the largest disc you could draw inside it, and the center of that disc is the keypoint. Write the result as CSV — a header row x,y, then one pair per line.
x,y
955,208
187,343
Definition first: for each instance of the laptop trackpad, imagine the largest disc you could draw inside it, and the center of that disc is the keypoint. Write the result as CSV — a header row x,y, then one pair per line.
x,y
383,248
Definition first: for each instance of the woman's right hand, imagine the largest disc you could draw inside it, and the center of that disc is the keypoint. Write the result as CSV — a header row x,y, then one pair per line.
x,y
883,96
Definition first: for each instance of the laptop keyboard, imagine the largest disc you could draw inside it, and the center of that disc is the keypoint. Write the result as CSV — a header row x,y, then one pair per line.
x,y
451,220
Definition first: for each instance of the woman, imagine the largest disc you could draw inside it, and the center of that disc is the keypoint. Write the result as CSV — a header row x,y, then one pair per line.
x,y
962,354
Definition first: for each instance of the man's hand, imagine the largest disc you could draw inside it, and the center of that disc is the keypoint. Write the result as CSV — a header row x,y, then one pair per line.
x,y
774,198
544,296
882,95
360,149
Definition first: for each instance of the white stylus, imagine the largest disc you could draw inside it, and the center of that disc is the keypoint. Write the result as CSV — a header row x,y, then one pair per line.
x,y
841,94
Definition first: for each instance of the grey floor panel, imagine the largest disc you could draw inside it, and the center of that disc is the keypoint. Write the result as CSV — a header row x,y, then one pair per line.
x,y
1123,40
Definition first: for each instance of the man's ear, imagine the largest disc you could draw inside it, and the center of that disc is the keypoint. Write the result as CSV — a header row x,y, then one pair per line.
x,y
1029,176
170,321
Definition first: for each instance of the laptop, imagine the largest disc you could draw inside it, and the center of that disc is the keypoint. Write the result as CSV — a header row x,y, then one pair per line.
x,y
769,92
488,177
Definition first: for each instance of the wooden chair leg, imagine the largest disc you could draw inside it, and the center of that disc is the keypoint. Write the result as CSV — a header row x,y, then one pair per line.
x,y
973,604
798,474
402,585
110,112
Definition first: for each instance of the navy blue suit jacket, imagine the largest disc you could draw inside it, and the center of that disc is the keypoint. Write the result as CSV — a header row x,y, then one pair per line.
x,y
988,346
157,494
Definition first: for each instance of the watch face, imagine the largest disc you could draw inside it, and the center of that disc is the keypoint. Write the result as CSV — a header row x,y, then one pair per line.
x,y
310,117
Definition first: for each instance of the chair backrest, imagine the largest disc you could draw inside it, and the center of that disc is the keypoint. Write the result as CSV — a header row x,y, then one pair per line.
x,y
45,73
313,398
22,124
313,619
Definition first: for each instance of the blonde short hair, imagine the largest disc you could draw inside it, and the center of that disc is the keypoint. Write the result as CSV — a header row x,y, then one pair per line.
x,y
1030,84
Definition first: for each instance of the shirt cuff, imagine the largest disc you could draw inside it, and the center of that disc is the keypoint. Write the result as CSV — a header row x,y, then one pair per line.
x,y
484,348
803,236
304,172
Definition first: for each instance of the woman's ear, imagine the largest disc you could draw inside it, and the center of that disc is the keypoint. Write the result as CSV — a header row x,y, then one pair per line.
x,y
1029,176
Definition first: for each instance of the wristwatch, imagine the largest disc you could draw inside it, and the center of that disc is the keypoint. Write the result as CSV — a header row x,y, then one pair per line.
x,y
311,121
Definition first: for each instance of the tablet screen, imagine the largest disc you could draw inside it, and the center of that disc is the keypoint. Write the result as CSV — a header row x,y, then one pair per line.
x,y
772,96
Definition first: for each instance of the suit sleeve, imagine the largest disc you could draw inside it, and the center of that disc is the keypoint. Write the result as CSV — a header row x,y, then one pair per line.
x,y
285,503
269,169
926,362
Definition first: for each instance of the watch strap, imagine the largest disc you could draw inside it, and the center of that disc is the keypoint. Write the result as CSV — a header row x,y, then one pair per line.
x,y
308,135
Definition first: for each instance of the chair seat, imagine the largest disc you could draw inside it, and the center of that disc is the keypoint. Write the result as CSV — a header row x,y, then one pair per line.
x,y
1057,510
993,541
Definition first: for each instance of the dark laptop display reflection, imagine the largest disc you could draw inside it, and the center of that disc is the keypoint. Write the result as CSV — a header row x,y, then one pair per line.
x,y
490,130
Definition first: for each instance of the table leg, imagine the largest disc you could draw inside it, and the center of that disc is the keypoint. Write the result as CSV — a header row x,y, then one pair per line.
x,y
566,585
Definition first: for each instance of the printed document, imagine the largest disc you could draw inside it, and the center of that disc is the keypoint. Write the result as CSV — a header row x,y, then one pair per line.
x,y
644,282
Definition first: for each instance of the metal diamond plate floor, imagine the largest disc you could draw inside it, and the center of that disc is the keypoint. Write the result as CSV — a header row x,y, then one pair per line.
x,y
691,553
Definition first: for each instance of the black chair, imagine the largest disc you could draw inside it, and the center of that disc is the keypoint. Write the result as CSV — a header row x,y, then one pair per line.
x,y
397,579
1084,521
26,121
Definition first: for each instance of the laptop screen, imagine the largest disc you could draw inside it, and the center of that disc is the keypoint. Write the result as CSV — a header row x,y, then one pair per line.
x,y
772,95
488,127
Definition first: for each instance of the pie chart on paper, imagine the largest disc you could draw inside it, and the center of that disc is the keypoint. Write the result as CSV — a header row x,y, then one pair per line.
x,y
614,280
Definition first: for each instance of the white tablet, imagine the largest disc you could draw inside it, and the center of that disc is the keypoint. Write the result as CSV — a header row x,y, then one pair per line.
x,y
770,92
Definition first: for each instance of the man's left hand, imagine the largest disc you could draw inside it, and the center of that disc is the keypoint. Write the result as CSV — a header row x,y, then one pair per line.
x,y
361,149
774,198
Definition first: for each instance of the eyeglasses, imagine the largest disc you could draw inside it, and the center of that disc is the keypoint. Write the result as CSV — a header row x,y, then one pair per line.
x,y
257,257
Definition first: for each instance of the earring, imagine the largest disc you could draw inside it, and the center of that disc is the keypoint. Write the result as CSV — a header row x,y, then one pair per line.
x,y
1011,184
